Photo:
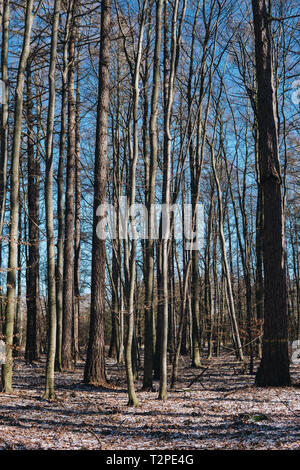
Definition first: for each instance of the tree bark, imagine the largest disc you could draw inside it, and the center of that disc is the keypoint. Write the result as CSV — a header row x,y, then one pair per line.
x,y
14,202
32,351
49,386
95,363
4,113
149,281
77,247
68,270
274,366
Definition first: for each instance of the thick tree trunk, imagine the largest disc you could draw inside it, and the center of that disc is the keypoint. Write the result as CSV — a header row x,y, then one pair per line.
x,y
95,363
274,367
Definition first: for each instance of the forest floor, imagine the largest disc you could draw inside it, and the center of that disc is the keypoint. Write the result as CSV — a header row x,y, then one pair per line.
x,y
221,410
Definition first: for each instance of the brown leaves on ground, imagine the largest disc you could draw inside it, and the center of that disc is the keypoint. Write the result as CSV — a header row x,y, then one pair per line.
x,y
224,411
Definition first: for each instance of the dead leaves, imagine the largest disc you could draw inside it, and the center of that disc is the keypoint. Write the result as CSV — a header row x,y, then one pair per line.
x,y
228,414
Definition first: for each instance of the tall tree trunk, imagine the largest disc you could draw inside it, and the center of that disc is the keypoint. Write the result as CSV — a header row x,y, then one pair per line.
x,y
149,281
18,319
229,291
68,270
131,336
77,249
166,194
60,204
259,281
60,230
274,367
95,363
14,202
4,113
32,351
49,386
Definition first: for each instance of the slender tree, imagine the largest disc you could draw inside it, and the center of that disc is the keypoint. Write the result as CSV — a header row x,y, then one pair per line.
x,y
32,351
49,388
68,268
4,111
77,245
14,201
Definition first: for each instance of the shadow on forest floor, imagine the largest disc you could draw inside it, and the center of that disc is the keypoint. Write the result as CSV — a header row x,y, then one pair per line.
x,y
222,409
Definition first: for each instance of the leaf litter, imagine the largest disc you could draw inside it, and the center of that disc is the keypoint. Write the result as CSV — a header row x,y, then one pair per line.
x,y
221,410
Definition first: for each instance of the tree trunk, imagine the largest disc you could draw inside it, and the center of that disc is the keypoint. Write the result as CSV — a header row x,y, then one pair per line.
x,y
60,206
49,386
14,201
274,367
4,112
149,281
77,249
32,351
95,363
68,270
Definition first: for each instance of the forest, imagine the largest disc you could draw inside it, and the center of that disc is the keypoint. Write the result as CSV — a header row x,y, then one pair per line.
x,y
149,225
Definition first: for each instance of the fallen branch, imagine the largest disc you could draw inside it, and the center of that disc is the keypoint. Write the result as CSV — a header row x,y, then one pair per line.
x,y
197,378
95,435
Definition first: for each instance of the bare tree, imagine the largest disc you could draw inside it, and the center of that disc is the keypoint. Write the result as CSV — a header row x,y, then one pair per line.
x,y
68,269
274,367
94,371
49,389
14,201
